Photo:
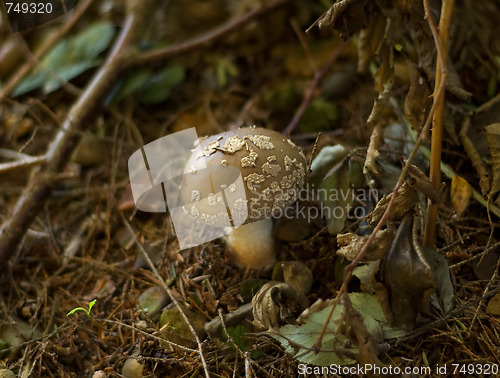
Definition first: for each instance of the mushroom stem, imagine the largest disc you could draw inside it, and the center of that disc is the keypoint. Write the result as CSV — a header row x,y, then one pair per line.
x,y
253,243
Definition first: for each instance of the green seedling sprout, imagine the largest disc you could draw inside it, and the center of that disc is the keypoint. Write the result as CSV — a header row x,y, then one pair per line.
x,y
87,311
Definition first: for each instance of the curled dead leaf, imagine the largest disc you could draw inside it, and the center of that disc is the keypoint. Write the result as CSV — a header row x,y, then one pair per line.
x,y
418,101
276,304
418,180
345,16
350,245
406,199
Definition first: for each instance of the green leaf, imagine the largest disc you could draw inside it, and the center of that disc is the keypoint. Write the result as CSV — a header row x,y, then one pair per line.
x,y
68,59
336,196
134,82
328,157
225,69
161,84
87,311
153,87
75,310
320,115
238,335
335,348
65,74
30,82
92,41
91,304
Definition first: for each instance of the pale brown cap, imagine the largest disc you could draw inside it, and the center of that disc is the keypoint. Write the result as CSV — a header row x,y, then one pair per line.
x,y
272,169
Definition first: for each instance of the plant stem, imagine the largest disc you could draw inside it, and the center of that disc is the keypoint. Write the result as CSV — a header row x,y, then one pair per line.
x,y
441,41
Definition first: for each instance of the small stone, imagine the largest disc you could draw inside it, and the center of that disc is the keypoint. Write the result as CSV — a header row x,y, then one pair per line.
x,y
132,368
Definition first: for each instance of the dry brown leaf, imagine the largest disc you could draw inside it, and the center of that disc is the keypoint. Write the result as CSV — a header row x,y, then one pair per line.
x,y
406,199
350,244
460,194
358,332
418,101
453,82
378,120
345,16
475,158
376,140
494,305
419,181
370,40
385,72
277,303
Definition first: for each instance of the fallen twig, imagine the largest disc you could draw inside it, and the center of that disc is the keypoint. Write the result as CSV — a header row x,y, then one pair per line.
x,y
318,75
21,160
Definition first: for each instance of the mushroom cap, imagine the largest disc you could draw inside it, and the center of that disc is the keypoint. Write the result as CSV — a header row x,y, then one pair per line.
x,y
250,173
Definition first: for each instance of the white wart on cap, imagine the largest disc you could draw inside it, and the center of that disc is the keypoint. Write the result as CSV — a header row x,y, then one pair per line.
x,y
273,170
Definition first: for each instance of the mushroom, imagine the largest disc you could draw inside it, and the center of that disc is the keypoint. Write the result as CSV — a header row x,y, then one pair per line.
x,y
271,171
